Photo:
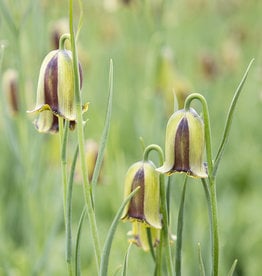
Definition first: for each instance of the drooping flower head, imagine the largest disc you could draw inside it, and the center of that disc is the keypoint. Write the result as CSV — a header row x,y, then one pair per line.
x,y
184,146
55,91
10,88
145,204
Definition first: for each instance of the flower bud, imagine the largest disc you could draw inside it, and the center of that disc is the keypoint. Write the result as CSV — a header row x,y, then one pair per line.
x,y
55,91
185,144
10,88
91,149
144,205
139,235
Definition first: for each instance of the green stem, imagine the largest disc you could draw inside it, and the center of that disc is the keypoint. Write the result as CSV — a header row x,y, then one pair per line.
x,y
164,233
80,133
214,228
180,223
63,131
211,178
188,101
62,41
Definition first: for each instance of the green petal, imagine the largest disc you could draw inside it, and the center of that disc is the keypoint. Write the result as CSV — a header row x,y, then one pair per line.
x,y
65,87
152,196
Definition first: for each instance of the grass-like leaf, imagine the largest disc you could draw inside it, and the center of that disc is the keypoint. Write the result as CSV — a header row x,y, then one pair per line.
x,y
77,248
200,261
105,133
110,235
232,269
124,272
69,208
229,120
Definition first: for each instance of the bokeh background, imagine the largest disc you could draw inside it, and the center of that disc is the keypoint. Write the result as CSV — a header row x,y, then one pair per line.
x,y
157,47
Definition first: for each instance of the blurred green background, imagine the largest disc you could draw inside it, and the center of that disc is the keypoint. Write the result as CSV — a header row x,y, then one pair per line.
x,y
157,47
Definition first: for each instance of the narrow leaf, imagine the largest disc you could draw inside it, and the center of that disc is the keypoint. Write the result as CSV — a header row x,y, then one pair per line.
x,y
105,133
232,269
69,208
229,119
200,262
124,273
77,248
110,235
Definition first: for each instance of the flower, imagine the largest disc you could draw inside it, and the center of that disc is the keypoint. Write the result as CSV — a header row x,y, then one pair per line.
x,y
55,91
10,87
139,235
145,204
184,146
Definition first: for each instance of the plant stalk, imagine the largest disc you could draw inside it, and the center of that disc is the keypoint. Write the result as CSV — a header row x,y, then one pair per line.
x,y
80,133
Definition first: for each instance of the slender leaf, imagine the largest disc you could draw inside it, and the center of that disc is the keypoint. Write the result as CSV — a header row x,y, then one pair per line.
x,y
110,235
77,248
8,17
105,133
124,273
232,269
200,262
149,238
229,120
69,208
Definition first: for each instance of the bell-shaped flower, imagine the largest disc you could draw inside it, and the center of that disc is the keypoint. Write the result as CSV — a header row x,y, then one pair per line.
x,y
139,235
185,143
145,204
10,88
55,91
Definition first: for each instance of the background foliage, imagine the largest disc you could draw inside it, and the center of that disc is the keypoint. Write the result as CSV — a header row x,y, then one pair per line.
x,y
201,34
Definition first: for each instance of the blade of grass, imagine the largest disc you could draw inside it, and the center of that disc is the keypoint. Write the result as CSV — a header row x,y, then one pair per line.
x,y
229,119
232,269
77,248
69,209
124,273
8,18
110,235
105,133
200,261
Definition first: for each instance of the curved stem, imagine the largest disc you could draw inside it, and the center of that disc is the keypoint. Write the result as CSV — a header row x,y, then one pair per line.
x,y
80,133
188,101
164,233
211,178
62,41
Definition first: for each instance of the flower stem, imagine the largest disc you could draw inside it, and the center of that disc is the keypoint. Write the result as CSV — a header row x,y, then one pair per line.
x,y
164,233
67,194
180,223
215,236
80,133
211,179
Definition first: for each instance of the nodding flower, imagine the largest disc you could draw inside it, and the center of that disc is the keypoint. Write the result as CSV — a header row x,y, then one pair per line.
x,y
10,88
145,204
185,143
55,91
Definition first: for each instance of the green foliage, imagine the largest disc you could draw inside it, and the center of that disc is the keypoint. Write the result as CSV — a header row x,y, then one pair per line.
x,y
212,44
